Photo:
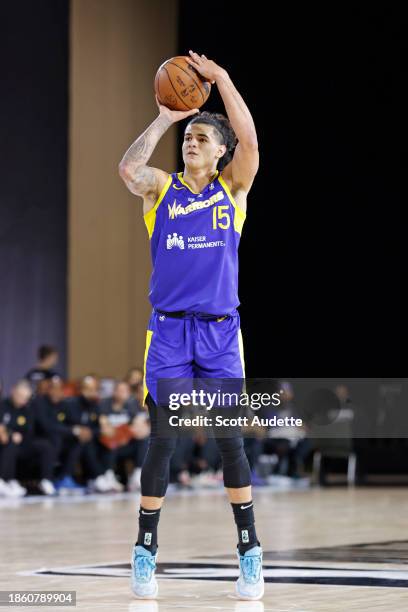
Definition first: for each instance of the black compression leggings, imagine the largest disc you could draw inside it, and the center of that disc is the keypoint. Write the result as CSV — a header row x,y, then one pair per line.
x,y
155,469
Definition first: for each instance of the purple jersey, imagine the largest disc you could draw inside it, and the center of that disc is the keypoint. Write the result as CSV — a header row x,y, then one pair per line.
x,y
194,246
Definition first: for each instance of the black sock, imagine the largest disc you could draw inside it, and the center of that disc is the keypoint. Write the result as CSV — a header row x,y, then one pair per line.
x,y
245,521
148,521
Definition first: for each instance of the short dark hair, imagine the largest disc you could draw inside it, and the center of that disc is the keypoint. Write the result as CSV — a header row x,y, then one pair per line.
x,y
225,131
45,351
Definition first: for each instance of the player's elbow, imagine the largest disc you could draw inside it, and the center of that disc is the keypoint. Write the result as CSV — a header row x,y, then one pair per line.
x,y
124,171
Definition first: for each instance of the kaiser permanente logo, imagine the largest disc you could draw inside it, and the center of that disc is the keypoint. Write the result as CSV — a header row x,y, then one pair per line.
x,y
174,241
176,209
193,242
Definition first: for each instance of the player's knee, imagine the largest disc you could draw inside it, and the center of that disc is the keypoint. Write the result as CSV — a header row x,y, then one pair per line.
x,y
157,459
155,470
231,449
163,446
153,484
235,464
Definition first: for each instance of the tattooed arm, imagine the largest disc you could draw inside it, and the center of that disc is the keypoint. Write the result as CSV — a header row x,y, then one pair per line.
x,y
141,179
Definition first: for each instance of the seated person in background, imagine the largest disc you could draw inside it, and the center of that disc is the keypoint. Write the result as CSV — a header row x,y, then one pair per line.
x,y
124,434
6,489
181,461
17,417
207,461
253,445
137,395
44,370
134,379
81,413
290,444
50,417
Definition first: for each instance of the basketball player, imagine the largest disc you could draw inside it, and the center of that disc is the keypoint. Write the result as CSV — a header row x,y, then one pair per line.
x,y
194,329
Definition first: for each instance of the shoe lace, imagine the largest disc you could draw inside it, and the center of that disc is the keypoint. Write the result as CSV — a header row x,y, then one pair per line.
x,y
251,568
144,566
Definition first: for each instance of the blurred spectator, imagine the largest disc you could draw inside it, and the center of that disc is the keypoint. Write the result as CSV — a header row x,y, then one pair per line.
x,y
207,463
44,370
106,387
20,445
134,378
207,453
125,431
137,396
253,446
6,489
290,444
50,417
180,463
82,414
343,395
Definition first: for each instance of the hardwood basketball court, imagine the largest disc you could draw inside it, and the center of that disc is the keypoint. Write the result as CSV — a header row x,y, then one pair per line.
x,y
324,549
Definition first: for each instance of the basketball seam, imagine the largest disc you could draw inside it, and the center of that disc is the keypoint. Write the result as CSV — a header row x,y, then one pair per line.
x,y
188,74
175,90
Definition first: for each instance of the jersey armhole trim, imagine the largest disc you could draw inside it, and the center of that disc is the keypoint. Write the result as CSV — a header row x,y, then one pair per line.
x,y
150,216
240,216
231,197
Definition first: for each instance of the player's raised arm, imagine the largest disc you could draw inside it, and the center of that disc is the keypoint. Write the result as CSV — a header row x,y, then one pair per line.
x,y
245,162
141,179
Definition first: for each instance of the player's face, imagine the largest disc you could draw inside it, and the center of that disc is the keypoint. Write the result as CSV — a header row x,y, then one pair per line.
x,y
201,147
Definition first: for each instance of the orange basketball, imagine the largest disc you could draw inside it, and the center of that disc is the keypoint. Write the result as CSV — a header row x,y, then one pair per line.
x,y
179,86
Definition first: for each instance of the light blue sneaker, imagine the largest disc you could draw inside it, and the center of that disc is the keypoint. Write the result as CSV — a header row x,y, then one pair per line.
x,y
144,583
250,584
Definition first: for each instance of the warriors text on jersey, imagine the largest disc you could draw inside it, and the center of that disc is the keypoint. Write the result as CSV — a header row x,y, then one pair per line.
x,y
194,246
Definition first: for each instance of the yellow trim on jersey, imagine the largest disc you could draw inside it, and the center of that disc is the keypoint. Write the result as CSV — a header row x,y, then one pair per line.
x,y
240,216
150,216
241,351
149,335
180,177
241,354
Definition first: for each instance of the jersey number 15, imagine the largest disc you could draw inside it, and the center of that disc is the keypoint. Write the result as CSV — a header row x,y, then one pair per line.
x,y
221,218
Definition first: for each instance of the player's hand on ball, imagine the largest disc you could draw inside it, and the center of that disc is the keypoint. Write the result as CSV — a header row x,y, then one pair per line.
x,y
207,68
175,115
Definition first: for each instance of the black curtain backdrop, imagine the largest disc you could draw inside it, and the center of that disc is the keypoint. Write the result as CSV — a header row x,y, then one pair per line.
x,y
33,181
320,257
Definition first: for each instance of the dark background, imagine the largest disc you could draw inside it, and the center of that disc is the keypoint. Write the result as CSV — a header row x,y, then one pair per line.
x,y
320,256
33,181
